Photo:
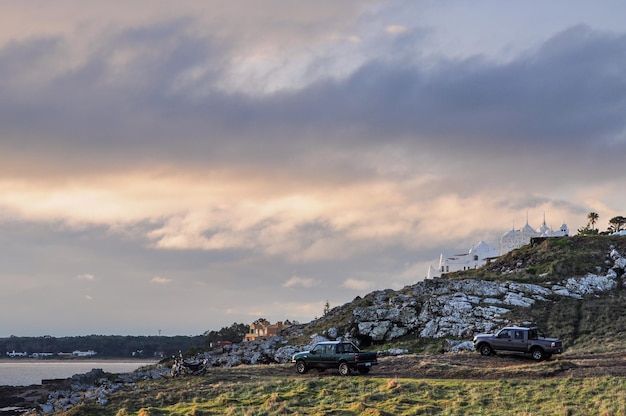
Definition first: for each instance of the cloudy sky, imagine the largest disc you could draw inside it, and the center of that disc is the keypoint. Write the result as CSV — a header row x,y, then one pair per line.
x,y
180,166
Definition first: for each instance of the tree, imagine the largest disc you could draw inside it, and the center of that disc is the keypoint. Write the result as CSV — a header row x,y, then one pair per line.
x,y
617,223
234,333
592,217
587,231
326,308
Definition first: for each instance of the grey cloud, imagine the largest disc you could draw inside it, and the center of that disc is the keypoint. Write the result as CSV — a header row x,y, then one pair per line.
x,y
546,96
561,103
567,92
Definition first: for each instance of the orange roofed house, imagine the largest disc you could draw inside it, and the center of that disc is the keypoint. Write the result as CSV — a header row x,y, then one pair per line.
x,y
263,329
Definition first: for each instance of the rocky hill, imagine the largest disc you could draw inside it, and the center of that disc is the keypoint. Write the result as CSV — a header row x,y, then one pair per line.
x,y
573,287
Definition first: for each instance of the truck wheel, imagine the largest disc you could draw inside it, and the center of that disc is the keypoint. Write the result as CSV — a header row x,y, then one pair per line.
x,y
301,367
364,370
485,349
344,369
537,354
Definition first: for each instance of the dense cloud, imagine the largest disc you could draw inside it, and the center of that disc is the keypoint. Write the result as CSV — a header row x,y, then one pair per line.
x,y
155,93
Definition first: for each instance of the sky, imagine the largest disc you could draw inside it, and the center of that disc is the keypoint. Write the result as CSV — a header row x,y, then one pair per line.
x,y
175,167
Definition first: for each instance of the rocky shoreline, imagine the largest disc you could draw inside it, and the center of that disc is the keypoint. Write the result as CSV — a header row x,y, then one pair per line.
x,y
62,395
94,386
17,400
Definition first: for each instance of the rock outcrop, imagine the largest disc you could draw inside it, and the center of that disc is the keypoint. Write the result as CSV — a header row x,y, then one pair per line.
x,y
442,308
92,387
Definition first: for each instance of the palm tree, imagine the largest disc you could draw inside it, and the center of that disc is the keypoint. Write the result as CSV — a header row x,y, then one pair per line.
x,y
593,217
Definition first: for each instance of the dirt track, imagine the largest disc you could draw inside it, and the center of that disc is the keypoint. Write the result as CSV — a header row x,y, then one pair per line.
x,y
475,366
472,366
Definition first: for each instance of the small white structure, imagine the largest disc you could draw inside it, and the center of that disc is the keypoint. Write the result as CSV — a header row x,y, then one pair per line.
x,y
41,354
476,257
14,354
89,353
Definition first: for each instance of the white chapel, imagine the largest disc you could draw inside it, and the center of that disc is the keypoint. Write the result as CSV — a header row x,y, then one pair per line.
x,y
480,254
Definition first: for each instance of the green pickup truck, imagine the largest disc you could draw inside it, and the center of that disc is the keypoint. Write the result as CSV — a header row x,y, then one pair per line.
x,y
343,355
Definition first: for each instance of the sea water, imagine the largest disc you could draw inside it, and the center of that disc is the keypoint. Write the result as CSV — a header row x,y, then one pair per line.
x,y
25,372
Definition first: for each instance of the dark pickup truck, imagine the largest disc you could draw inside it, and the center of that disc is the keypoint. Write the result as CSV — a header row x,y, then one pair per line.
x,y
342,355
517,339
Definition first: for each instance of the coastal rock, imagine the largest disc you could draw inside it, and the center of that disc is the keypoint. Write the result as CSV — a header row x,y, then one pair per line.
x,y
452,345
392,352
440,308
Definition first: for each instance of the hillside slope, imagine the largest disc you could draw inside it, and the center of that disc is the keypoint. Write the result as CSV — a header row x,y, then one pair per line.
x,y
572,287
551,259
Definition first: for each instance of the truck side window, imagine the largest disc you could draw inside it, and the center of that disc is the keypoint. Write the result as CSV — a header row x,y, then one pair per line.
x,y
532,334
504,334
519,335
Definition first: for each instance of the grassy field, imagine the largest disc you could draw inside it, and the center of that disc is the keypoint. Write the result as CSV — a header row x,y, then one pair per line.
x,y
232,392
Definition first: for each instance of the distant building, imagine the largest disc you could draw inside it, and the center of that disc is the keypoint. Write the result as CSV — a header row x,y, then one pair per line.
x,y
89,353
517,238
42,354
481,254
14,354
226,346
476,257
263,329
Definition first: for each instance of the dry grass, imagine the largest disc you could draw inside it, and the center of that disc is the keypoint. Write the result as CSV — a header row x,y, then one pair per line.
x,y
517,386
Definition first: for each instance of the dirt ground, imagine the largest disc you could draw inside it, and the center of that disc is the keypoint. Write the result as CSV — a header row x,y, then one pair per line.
x,y
475,366
464,365
468,365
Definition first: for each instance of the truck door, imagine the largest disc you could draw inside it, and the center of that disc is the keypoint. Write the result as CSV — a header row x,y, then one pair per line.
x,y
330,356
519,340
318,356
503,340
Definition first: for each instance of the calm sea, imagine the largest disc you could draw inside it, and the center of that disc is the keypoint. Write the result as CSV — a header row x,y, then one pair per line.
x,y
24,372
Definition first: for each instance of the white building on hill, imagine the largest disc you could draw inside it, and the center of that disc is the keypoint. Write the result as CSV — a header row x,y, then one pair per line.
x,y
480,254
516,238
476,257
